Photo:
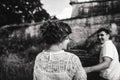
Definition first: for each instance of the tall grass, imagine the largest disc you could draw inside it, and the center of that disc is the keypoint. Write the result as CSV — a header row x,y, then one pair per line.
x,y
17,53
15,68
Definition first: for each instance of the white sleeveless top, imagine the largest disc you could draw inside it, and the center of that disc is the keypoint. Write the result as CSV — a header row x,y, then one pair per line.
x,y
58,66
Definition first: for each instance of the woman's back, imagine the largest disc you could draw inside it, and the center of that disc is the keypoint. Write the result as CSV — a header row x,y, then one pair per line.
x,y
54,63
58,65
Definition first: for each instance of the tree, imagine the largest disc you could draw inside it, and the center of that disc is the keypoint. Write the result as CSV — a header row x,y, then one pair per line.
x,y
16,11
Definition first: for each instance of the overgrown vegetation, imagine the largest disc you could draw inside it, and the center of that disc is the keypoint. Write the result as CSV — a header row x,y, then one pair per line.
x,y
17,54
18,11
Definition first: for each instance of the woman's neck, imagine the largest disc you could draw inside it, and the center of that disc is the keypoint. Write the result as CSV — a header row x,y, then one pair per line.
x,y
54,48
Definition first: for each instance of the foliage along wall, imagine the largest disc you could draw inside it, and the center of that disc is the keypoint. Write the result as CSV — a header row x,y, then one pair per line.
x,y
19,45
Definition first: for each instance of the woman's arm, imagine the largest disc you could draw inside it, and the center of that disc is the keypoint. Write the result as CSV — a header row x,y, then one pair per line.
x,y
80,73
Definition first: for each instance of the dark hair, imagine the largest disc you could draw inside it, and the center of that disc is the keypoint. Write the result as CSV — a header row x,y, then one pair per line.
x,y
106,30
54,32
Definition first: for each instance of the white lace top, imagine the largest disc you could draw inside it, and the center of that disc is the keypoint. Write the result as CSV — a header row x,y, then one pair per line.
x,y
58,66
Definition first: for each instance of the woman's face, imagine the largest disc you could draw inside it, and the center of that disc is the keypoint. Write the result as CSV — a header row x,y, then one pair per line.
x,y
65,42
103,36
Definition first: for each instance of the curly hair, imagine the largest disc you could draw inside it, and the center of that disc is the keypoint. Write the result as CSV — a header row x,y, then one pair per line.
x,y
54,32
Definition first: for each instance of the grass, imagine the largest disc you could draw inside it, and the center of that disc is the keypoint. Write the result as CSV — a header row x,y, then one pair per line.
x,y
15,68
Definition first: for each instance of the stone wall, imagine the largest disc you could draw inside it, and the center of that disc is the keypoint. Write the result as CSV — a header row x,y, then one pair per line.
x,y
84,37
84,28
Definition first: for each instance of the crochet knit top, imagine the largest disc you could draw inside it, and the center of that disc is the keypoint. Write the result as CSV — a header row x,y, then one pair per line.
x,y
59,65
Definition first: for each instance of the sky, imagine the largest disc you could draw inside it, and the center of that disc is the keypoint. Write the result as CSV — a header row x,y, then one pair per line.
x,y
59,8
